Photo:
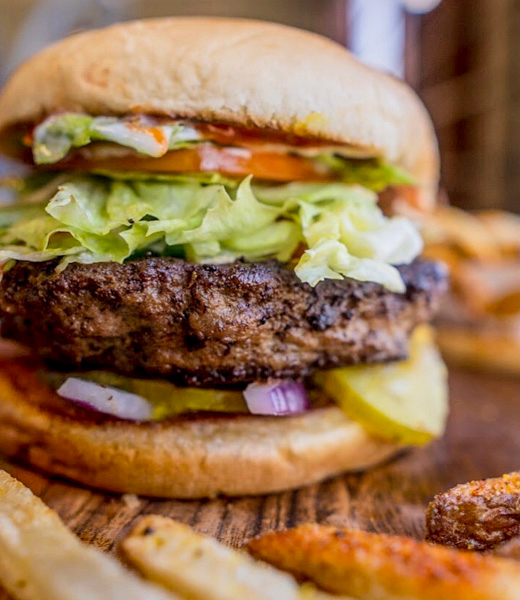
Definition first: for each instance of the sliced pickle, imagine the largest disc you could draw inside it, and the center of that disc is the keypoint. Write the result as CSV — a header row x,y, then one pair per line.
x,y
167,399
405,402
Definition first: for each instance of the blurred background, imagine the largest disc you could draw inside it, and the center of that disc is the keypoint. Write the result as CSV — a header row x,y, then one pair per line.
x,y
462,56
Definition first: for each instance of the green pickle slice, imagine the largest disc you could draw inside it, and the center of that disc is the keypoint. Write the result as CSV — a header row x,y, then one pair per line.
x,y
404,402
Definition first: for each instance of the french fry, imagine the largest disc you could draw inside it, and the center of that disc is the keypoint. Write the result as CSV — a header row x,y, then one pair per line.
x,y
200,568
504,227
372,566
463,230
481,251
40,559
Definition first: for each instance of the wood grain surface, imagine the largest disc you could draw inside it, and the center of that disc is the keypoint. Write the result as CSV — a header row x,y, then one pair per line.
x,y
483,440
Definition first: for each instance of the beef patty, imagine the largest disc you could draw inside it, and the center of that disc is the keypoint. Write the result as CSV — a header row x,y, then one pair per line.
x,y
210,324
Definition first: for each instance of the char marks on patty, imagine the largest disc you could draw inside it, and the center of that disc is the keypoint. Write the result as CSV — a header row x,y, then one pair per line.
x,y
211,324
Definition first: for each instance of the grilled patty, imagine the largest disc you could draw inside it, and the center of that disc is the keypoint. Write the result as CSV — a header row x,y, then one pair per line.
x,y
210,324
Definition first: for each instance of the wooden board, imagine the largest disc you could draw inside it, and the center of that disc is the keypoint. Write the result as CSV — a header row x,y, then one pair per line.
x,y
482,440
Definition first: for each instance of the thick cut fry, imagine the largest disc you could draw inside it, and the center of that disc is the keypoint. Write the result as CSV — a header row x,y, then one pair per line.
x,y
504,227
200,568
371,566
481,251
478,515
40,559
462,230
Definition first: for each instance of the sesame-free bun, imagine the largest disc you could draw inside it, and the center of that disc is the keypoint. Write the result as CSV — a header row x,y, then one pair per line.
x,y
246,73
195,458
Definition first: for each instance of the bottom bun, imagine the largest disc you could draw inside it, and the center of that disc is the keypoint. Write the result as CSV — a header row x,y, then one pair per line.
x,y
184,458
480,349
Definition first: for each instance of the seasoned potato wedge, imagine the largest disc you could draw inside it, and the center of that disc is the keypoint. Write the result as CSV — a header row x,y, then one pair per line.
x,y
379,567
479,515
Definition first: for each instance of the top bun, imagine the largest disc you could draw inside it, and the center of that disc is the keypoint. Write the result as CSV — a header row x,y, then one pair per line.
x,y
248,73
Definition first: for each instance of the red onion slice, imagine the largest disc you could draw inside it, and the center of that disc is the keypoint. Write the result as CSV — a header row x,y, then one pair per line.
x,y
277,399
105,399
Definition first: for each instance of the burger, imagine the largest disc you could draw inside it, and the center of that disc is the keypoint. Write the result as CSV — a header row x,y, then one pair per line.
x,y
205,270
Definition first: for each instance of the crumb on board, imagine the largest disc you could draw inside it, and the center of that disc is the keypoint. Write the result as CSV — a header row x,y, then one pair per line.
x,y
131,501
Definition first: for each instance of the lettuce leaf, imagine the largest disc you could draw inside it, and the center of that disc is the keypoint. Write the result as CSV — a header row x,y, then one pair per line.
x,y
371,173
202,177
330,259
55,136
96,218
347,234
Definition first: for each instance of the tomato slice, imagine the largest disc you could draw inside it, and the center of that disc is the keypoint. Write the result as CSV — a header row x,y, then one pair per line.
x,y
229,135
209,158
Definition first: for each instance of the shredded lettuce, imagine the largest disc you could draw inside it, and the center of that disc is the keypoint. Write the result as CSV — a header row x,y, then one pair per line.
x,y
95,218
55,136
